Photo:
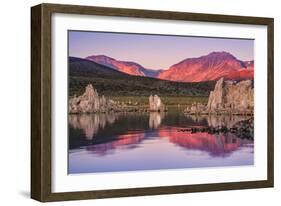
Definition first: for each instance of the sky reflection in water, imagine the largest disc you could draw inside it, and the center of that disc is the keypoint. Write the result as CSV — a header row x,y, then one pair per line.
x,y
119,142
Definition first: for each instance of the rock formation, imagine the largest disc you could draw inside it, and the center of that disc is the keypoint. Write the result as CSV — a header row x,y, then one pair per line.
x,y
228,97
86,103
90,102
155,104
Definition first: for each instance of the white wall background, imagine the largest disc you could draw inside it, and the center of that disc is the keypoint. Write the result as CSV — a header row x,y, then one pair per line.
x,y
15,102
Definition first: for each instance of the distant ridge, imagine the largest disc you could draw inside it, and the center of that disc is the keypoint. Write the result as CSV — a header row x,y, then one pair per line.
x,y
127,67
209,67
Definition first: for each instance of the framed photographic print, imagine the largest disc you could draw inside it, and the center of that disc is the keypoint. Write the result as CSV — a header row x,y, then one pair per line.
x,y
130,102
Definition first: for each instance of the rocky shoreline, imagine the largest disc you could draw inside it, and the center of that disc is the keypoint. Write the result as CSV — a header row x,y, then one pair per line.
x,y
91,102
228,97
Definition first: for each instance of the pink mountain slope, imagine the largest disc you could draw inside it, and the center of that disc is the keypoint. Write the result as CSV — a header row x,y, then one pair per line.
x,y
209,67
131,68
205,68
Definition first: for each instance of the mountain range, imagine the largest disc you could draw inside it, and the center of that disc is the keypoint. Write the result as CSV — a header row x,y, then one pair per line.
x,y
111,82
204,68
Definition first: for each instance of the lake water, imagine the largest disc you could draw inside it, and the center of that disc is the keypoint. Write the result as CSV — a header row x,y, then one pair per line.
x,y
153,141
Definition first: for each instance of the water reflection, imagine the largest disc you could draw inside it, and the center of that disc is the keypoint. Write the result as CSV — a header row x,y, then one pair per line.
x,y
155,119
214,144
219,120
141,140
127,141
91,124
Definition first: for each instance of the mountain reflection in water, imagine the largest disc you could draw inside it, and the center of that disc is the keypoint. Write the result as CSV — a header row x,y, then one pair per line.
x,y
146,141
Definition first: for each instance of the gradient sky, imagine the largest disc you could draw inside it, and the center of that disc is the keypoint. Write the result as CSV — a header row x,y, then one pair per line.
x,y
154,51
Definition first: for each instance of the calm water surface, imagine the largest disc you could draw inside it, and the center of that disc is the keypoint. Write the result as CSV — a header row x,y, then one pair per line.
x,y
148,141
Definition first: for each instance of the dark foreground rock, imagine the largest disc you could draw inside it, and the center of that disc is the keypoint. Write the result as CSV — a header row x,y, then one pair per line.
x,y
243,129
